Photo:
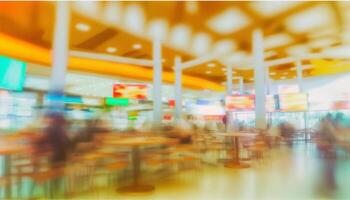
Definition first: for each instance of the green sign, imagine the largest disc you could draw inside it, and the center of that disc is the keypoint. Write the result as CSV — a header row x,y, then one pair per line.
x,y
132,118
12,73
117,101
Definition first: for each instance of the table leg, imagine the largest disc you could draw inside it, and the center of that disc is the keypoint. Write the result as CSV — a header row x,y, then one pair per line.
x,y
236,163
136,187
7,174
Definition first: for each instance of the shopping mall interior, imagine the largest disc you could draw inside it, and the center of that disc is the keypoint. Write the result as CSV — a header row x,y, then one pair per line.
x,y
160,100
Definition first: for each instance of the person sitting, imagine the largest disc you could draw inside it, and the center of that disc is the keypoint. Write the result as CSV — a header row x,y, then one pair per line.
x,y
54,139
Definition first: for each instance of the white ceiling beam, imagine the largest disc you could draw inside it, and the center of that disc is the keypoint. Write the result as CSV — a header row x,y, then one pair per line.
x,y
110,58
201,60
294,59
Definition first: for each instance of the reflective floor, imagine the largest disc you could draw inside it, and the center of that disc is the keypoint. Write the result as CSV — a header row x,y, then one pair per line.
x,y
286,173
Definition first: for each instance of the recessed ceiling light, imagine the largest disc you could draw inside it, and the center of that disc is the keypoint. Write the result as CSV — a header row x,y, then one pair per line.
x,y
270,9
316,17
191,7
82,27
252,79
228,21
137,46
111,49
158,28
211,65
208,72
283,77
272,73
201,43
134,18
180,36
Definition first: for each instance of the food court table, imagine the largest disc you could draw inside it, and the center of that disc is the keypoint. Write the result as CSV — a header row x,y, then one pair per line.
x,y
135,143
7,151
235,163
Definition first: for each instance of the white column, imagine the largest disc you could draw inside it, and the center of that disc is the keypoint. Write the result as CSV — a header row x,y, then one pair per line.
x,y
299,75
229,86
60,47
267,79
178,89
157,84
259,79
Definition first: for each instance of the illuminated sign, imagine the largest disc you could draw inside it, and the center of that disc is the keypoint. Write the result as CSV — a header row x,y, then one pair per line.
x,y
117,101
293,102
240,103
131,91
12,73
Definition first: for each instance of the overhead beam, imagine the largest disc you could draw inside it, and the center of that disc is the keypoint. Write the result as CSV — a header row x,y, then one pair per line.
x,y
201,60
110,58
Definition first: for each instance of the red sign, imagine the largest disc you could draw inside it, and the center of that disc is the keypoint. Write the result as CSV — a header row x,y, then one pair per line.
x,y
172,103
132,91
168,117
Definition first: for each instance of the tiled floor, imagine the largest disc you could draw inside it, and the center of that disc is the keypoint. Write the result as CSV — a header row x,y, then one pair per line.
x,y
287,174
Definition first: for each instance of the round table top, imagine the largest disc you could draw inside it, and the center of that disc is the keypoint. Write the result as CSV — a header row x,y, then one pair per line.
x,y
237,134
141,141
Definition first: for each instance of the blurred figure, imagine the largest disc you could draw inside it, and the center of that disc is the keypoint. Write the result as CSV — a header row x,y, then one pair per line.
x,y
92,128
273,135
183,132
286,131
326,144
54,139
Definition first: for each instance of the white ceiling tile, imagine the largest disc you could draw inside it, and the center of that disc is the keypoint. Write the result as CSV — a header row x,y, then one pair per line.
x,y
313,18
228,21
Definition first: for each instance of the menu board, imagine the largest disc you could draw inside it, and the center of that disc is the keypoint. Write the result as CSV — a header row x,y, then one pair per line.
x,y
292,102
131,91
12,73
326,101
240,103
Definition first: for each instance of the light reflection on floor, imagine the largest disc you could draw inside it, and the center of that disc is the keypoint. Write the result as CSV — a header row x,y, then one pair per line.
x,y
285,174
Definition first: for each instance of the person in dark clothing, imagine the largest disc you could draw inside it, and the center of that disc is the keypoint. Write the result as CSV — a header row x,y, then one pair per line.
x,y
55,138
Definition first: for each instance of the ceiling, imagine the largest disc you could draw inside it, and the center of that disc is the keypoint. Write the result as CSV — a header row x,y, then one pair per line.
x,y
191,30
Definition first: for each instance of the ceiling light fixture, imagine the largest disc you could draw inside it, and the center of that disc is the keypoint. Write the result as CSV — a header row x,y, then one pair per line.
x,y
208,72
82,27
283,77
137,46
111,49
211,65
228,21
191,7
272,73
